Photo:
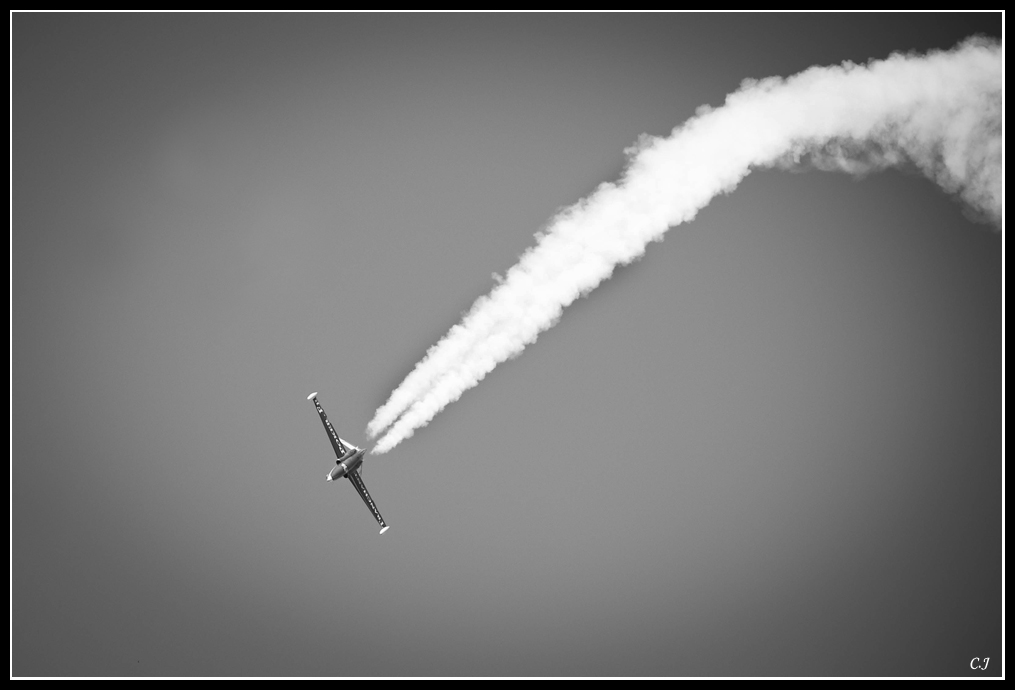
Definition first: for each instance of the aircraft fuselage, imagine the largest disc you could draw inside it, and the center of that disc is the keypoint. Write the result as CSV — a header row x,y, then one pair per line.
x,y
348,464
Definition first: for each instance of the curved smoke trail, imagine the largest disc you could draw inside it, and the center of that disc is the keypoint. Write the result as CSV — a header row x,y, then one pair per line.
x,y
941,112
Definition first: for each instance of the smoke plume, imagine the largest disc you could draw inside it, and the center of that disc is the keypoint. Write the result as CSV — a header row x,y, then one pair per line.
x,y
940,112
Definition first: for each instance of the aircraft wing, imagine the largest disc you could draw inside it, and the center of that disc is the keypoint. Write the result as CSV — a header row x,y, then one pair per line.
x,y
341,448
357,481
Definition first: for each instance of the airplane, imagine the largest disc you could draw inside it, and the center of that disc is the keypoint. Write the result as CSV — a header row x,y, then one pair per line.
x,y
350,458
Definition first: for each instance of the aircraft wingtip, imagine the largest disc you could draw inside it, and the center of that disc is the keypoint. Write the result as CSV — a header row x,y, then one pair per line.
x,y
312,395
386,528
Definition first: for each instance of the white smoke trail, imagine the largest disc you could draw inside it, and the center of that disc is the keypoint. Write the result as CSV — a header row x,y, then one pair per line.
x,y
941,112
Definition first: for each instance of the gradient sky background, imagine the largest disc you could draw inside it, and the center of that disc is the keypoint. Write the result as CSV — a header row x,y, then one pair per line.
x,y
771,447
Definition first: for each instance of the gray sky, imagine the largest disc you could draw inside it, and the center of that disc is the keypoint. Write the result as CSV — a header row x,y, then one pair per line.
x,y
771,447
